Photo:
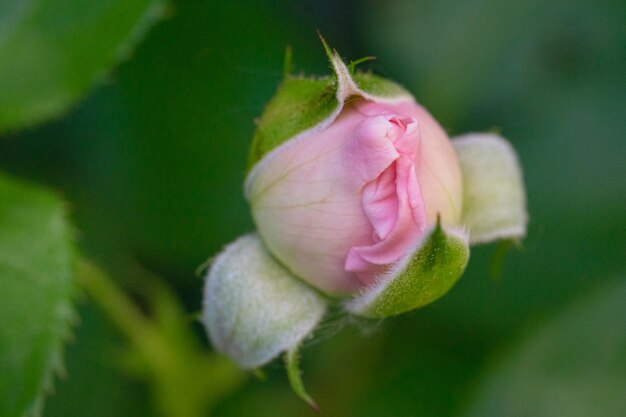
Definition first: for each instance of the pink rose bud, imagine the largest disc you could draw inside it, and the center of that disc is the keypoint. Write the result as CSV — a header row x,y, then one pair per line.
x,y
356,190
338,204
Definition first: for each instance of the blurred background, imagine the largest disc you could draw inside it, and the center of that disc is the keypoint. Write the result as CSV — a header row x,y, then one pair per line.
x,y
152,161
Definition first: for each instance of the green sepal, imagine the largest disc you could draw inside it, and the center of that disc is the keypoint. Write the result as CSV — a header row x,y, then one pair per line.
x,y
494,198
378,87
304,104
253,308
299,105
292,364
418,279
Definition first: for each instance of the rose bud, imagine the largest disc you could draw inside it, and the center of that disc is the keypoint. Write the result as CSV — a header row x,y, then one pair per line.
x,y
338,205
242,282
356,192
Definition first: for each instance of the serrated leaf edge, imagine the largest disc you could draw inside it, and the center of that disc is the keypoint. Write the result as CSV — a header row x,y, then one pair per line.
x,y
155,12
68,318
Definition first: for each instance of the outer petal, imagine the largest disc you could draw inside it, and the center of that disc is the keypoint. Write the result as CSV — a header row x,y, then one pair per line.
x,y
392,202
494,200
306,204
253,308
308,200
421,277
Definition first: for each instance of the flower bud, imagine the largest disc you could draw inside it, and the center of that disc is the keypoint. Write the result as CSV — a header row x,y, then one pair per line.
x,y
339,203
356,190
254,309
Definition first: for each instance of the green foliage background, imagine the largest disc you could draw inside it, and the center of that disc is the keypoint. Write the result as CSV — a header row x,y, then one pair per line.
x,y
151,163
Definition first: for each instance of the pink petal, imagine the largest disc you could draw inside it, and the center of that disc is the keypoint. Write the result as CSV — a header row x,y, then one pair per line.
x,y
392,202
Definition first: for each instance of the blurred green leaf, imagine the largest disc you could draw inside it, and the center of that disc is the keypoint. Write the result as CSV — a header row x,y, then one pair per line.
x,y
92,360
51,51
36,261
574,365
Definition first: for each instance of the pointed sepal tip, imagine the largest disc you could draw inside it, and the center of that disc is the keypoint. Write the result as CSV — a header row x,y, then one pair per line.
x,y
292,364
421,277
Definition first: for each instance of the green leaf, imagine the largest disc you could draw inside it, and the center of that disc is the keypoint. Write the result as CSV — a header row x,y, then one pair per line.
x,y
91,361
36,266
52,51
574,365
494,198
254,309
420,278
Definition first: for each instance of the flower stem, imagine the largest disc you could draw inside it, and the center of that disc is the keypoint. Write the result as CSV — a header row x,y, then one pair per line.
x,y
185,379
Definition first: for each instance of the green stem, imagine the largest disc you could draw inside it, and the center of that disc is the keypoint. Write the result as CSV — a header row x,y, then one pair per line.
x,y
186,380
112,300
